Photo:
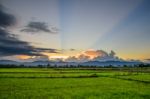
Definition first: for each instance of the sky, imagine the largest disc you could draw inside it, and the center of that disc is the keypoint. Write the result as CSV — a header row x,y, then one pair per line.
x,y
70,29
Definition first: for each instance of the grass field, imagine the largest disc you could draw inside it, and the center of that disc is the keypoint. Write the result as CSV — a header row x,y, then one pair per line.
x,y
74,83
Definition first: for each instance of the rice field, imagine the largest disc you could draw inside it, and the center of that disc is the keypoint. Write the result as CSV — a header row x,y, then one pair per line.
x,y
74,83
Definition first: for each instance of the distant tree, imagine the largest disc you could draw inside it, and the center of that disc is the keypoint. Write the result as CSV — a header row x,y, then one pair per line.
x,y
125,66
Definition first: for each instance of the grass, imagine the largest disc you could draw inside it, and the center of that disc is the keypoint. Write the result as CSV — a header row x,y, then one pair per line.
x,y
38,83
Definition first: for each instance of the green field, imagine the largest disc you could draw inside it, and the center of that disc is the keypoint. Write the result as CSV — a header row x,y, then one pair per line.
x,y
74,83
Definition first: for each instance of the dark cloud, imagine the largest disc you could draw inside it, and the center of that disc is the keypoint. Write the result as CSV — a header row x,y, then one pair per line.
x,y
6,19
10,44
147,59
47,50
72,49
36,27
112,53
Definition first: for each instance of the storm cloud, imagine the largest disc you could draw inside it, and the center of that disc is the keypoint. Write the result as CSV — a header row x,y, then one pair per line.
x,y
37,27
10,44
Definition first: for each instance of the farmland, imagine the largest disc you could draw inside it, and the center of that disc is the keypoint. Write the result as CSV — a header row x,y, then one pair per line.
x,y
75,83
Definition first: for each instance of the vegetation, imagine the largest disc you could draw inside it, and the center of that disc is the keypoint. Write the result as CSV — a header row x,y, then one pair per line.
x,y
75,83
69,66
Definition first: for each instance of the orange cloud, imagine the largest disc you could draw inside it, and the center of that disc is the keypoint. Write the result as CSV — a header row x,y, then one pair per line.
x,y
55,55
23,57
94,53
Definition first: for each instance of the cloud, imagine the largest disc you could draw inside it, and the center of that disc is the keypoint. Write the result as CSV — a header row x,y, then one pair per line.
x,y
48,50
37,27
147,59
10,44
107,56
6,19
83,58
112,53
71,59
80,58
72,49
93,55
36,58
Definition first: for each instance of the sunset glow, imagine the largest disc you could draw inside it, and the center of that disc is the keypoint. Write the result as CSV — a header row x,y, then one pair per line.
x,y
23,57
74,28
75,49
